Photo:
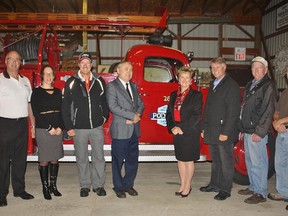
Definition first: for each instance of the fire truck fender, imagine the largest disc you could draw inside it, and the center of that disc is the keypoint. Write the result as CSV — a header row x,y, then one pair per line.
x,y
240,174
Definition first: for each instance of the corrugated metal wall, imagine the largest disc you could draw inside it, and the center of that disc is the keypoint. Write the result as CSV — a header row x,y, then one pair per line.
x,y
274,42
210,48
202,48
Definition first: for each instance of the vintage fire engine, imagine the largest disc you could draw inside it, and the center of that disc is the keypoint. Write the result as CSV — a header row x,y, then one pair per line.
x,y
154,67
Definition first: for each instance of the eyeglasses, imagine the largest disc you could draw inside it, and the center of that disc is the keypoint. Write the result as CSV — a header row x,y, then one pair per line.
x,y
12,60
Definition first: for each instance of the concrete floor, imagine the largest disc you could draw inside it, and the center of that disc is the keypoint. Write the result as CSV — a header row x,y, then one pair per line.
x,y
156,184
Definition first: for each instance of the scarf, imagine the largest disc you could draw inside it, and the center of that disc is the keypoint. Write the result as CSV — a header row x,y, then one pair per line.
x,y
180,98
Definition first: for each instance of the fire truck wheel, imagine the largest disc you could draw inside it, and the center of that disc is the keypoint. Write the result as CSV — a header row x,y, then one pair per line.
x,y
240,174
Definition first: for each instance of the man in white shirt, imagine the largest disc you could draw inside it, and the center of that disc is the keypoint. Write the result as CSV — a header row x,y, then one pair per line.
x,y
15,92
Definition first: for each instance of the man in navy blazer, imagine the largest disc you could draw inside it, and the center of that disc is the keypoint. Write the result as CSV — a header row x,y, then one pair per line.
x,y
126,106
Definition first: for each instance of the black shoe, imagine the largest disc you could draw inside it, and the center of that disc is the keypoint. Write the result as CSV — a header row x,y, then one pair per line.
x,y
132,192
185,195
3,201
84,192
177,193
100,191
208,188
222,195
287,207
24,195
120,193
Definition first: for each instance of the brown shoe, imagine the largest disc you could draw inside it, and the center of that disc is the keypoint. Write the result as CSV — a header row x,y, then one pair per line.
x,y
246,191
276,197
131,191
255,199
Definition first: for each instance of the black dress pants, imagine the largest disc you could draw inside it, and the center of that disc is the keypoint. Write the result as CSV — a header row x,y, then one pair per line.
x,y
222,169
13,154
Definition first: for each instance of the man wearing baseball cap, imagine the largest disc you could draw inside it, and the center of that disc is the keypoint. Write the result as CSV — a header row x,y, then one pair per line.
x,y
85,56
85,110
255,119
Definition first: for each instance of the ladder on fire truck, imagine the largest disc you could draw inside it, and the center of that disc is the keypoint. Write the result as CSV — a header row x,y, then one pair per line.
x,y
80,22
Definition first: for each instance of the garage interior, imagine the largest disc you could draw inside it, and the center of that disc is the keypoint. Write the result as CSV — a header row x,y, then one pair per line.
x,y
107,29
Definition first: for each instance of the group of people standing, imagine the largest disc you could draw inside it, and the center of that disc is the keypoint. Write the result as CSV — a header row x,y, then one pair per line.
x,y
82,111
85,107
225,120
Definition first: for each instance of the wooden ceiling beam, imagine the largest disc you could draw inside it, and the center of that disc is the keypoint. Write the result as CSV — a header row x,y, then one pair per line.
x,y
96,7
191,30
13,5
118,5
227,7
206,5
184,6
266,3
7,6
245,31
140,9
34,3
73,4
51,5
163,2
255,5
55,7
251,20
245,6
29,7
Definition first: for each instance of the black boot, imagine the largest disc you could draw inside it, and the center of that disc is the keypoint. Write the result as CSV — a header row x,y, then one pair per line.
x,y
53,179
43,170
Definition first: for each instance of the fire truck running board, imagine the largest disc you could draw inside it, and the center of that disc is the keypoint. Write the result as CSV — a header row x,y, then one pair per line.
x,y
147,153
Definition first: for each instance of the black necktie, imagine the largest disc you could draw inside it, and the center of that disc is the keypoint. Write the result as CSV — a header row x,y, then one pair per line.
x,y
127,89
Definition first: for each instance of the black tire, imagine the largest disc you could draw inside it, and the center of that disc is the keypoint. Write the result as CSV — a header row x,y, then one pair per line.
x,y
241,179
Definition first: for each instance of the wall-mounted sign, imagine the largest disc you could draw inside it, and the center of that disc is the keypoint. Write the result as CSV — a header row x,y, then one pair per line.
x,y
282,17
240,54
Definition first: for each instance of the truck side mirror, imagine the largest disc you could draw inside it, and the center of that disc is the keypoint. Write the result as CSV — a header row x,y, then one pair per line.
x,y
190,56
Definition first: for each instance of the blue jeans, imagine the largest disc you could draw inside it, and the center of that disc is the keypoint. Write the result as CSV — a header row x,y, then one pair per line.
x,y
256,158
281,164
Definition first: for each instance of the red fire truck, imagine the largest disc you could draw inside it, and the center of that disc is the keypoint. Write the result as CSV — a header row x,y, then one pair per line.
x,y
155,69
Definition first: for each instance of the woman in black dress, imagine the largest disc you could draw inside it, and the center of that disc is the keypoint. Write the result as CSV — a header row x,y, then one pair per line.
x,y
183,121
46,105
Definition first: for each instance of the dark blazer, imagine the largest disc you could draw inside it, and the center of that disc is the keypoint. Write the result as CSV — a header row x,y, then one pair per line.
x,y
221,112
190,113
123,109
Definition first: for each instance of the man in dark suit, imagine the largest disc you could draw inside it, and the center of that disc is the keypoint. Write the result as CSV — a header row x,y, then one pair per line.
x,y
126,106
220,128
